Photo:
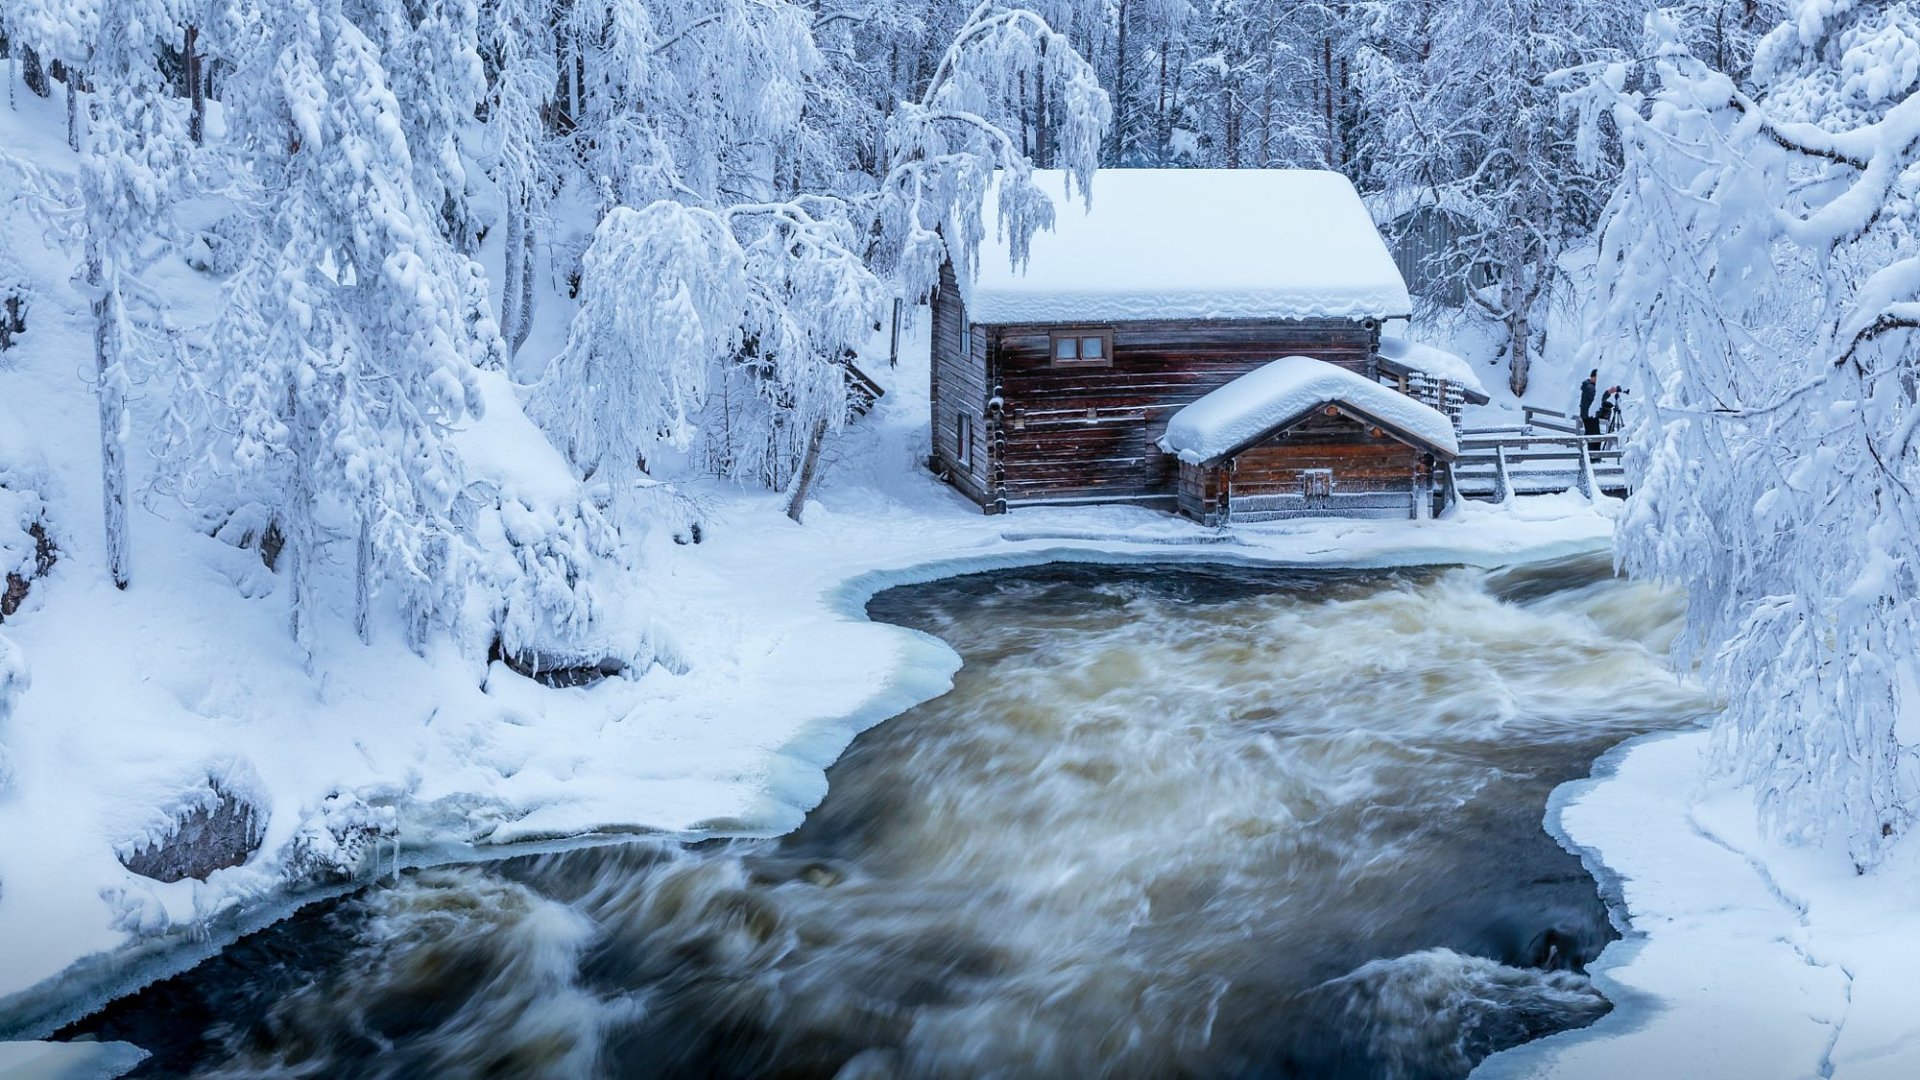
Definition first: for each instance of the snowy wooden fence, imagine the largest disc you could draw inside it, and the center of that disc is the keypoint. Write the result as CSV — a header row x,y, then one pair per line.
x,y
1496,464
1447,397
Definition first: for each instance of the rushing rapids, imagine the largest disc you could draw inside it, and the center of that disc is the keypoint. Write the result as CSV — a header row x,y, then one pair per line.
x,y
1170,821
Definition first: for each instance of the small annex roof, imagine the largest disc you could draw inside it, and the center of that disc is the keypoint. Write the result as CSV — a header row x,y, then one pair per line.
x,y
1436,362
1191,244
1278,394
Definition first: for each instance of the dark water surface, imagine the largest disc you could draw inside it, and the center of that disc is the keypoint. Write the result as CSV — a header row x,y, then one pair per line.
x,y
1172,821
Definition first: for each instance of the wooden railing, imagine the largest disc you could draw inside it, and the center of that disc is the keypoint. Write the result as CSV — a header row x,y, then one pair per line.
x,y
1551,420
1447,397
1499,463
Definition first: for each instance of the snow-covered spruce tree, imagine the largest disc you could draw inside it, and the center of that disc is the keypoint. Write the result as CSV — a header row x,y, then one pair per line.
x,y
1760,267
346,346
1460,106
132,141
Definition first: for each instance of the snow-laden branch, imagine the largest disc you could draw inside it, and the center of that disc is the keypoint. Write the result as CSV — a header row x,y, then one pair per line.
x,y
1760,271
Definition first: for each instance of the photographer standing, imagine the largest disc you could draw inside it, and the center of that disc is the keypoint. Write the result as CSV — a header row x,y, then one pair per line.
x,y
1589,420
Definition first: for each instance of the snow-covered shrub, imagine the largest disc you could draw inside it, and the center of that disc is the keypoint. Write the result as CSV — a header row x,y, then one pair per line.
x,y
13,307
335,840
27,549
552,584
221,248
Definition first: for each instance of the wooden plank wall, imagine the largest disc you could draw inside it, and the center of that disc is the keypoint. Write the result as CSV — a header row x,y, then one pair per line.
x,y
959,385
1200,494
1360,461
1090,432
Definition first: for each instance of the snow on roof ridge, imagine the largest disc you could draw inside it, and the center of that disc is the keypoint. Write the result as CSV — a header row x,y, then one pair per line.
x,y
1192,244
1284,390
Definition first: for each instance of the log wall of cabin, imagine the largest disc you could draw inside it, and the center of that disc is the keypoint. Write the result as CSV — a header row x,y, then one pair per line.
x,y
1200,493
1090,432
959,386
1360,460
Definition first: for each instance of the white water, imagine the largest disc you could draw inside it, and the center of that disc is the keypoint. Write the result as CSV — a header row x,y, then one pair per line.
x,y
1174,821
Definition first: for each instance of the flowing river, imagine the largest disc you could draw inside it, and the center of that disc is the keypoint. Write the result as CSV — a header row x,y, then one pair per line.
x,y
1171,821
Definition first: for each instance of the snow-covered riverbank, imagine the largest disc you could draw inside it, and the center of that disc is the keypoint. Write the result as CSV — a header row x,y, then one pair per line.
x,y
1744,958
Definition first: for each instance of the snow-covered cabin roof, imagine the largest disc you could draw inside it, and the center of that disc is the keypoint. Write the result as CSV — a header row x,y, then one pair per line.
x,y
1278,394
1436,362
1192,244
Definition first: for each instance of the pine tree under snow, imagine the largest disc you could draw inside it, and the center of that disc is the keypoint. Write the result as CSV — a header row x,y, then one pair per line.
x,y
346,349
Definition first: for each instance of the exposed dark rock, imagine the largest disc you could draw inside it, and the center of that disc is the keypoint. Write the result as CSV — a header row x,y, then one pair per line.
x,y
224,830
13,315
557,669
44,556
32,73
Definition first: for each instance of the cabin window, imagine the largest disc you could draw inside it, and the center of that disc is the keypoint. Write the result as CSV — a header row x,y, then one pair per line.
x,y
963,435
1082,348
966,335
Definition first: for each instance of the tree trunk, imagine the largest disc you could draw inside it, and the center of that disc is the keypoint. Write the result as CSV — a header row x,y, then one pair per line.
x,y
1519,327
1326,98
196,88
111,388
1123,109
1266,111
299,554
804,476
363,583
1042,128
33,73
512,266
529,299
73,110
1230,102
1160,118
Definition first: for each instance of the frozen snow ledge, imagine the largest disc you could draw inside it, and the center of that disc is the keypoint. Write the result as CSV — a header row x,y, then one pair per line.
x,y
1729,967
67,1061
782,670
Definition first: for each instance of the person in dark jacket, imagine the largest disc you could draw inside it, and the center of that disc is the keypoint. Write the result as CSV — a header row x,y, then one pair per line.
x,y
1588,418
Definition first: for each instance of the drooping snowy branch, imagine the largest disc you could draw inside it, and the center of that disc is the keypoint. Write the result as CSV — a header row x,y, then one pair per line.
x,y
662,294
949,143
656,359
1761,270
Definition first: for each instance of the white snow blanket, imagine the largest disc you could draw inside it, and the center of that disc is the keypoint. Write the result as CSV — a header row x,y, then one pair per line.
x,y
1438,363
1285,390
1192,244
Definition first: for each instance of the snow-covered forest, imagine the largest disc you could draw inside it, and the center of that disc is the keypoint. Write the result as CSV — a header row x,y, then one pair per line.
x,y
523,332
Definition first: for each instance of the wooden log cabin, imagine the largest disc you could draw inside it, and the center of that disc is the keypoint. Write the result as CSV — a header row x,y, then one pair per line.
x,y
1054,382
